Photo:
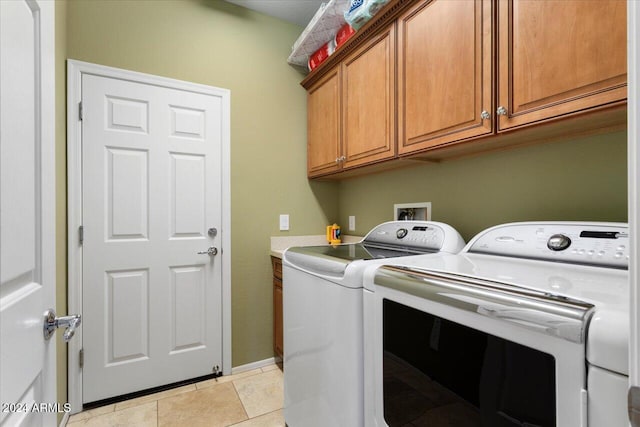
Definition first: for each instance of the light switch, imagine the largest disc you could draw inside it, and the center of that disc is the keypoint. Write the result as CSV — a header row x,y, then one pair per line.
x,y
284,222
352,223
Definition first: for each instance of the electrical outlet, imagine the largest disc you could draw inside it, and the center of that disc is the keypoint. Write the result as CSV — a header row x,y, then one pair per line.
x,y
284,222
352,223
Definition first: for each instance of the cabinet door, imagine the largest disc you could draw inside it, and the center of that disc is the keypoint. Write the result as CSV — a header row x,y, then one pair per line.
x,y
444,73
277,318
368,102
323,125
559,57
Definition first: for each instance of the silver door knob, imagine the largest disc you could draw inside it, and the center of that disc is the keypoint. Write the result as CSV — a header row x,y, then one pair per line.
x,y
501,111
485,115
51,323
211,251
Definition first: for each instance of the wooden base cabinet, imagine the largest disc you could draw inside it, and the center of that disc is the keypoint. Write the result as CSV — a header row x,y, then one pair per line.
x,y
558,58
445,79
351,110
278,346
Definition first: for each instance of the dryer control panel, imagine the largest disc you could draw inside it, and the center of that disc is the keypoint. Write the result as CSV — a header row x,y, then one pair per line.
x,y
597,243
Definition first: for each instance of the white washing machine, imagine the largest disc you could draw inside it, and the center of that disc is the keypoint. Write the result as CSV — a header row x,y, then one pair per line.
x,y
323,318
528,325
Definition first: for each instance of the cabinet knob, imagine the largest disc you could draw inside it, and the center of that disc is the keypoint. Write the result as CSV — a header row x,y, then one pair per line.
x,y
343,158
485,115
337,159
501,111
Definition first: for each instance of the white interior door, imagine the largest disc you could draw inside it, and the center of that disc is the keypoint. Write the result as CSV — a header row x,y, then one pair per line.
x,y
151,192
27,211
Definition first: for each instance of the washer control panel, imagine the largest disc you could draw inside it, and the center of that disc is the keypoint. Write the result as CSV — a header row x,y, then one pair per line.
x,y
419,235
599,244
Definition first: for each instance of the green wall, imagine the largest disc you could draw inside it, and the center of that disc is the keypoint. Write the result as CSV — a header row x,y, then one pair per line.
x,y
61,196
220,44
580,179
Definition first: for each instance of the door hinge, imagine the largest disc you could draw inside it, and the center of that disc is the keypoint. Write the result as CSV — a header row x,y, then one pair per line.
x,y
81,234
80,112
81,358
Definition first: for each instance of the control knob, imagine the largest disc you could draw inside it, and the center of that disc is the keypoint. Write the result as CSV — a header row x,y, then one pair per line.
x,y
558,242
401,233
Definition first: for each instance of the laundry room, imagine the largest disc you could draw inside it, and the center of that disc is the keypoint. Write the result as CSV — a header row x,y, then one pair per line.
x,y
416,106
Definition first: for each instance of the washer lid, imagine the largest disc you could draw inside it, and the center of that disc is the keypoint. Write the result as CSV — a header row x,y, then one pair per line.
x,y
332,261
604,287
518,307
393,239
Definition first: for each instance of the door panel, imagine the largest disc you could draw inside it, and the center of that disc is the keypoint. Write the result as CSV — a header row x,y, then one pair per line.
x,y
151,190
187,196
560,57
127,329
27,189
188,323
127,189
368,93
444,73
323,122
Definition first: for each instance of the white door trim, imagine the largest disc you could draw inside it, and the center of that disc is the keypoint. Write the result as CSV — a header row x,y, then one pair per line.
x,y
633,141
75,71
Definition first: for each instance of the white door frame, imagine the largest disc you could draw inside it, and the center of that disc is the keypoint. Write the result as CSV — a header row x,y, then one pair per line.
x,y
75,71
633,142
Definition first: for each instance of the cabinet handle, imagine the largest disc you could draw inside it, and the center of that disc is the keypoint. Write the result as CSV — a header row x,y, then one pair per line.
x,y
485,115
501,111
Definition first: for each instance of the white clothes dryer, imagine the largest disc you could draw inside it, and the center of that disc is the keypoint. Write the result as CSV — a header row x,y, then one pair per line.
x,y
528,325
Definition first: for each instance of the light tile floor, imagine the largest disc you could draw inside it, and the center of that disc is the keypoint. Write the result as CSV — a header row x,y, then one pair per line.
x,y
248,399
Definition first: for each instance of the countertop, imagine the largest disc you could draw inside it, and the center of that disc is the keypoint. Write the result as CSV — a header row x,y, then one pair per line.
x,y
280,243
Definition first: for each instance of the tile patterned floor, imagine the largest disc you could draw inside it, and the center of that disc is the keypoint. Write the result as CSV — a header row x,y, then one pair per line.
x,y
248,399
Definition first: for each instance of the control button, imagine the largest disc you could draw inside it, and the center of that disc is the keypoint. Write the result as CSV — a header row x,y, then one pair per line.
x,y
601,253
591,252
558,242
620,248
401,233
581,252
619,254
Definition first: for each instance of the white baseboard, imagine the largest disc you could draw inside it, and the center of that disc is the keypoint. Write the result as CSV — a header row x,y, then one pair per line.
x,y
255,365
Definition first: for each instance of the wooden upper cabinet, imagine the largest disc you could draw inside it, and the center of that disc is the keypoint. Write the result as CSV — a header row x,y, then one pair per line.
x,y
324,125
559,57
444,73
368,102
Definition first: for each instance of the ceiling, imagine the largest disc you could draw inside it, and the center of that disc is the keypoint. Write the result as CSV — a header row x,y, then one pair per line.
x,y
297,11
